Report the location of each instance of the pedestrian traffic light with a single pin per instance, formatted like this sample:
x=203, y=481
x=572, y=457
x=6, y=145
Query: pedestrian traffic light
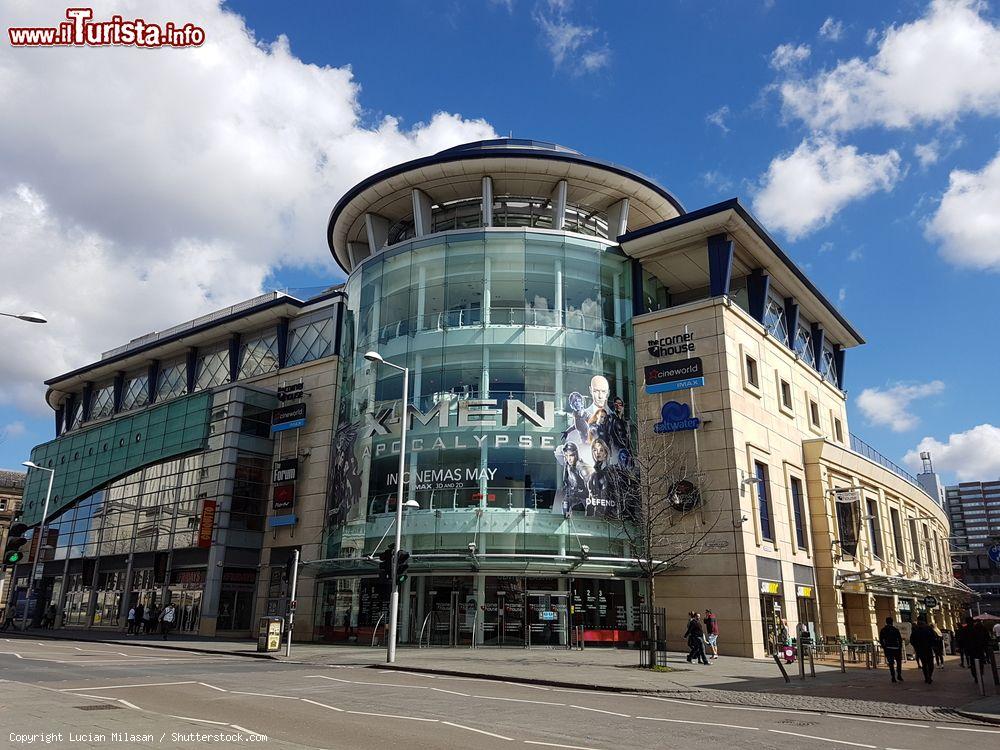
x=402, y=565
x=12, y=553
x=385, y=563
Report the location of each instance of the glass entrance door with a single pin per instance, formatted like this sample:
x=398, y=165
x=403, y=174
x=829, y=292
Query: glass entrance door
x=771, y=616
x=548, y=618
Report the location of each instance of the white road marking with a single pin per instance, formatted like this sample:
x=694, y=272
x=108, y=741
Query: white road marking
x=321, y=705
x=823, y=739
x=213, y=687
x=203, y=721
x=517, y=700
x=525, y=685
x=324, y=677
x=130, y=705
x=964, y=729
x=391, y=716
x=249, y=731
x=121, y=687
x=553, y=744
x=479, y=731
x=880, y=721
x=674, y=700
x=601, y=711
x=770, y=710
x=700, y=723
x=264, y=695
x=451, y=692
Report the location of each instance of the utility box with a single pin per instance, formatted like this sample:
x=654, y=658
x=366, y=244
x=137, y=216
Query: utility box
x=269, y=634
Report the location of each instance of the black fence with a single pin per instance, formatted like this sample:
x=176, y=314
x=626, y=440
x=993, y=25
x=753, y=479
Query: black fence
x=653, y=646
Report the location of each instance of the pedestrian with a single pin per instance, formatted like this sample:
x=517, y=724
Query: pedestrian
x=167, y=619
x=139, y=613
x=50, y=617
x=695, y=639
x=712, y=633
x=977, y=647
x=891, y=641
x=960, y=638
x=782, y=633
x=923, y=640
x=149, y=619
x=131, y=621
x=996, y=632
x=938, y=646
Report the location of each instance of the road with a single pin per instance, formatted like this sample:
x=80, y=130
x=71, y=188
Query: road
x=83, y=694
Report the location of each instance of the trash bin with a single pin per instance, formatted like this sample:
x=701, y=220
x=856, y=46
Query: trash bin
x=269, y=634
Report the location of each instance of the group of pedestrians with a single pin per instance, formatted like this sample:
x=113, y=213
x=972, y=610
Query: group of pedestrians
x=972, y=642
x=143, y=620
x=701, y=633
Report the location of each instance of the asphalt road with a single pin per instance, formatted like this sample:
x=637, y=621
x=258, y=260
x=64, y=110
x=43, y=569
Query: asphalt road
x=80, y=694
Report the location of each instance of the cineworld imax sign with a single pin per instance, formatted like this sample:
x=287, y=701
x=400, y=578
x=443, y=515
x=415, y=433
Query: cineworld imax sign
x=481, y=416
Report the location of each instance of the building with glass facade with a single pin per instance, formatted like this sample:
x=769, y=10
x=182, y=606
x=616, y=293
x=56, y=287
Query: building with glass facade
x=560, y=318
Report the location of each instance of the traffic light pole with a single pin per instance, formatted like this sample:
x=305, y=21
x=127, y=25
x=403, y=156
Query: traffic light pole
x=394, y=582
x=38, y=549
x=292, y=602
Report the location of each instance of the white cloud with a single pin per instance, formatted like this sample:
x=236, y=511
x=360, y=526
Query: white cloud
x=826, y=247
x=841, y=296
x=569, y=43
x=933, y=69
x=855, y=255
x=831, y=30
x=802, y=191
x=149, y=186
x=973, y=455
x=12, y=429
x=888, y=407
x=787, y=56
x=716, y=181
x=927, y=153
x=967, y=221
x=718, y=118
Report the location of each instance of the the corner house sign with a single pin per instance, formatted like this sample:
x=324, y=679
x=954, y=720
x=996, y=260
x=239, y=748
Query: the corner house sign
x=288, y=417
x=674, y=376
x=668, y=346
x=675, y=417
x=290, y=392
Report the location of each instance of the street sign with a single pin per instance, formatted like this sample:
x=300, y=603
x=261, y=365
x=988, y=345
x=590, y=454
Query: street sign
x=994, y=553
x=930, y=602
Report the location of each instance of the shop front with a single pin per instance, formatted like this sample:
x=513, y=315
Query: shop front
x=772, y=614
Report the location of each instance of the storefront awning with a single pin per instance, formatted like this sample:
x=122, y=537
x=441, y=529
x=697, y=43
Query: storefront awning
x=907, y=587
x=500, y=564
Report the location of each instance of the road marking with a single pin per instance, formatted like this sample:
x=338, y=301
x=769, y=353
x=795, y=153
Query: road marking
x=587, y=692
x=479, y=731
x=391, y=716
x=321, y=705
x=770, y=710
x=213, y=687
x=674, y=700
x=553, y=744
x=822, y=739
x=264, y=695
x=517, y=700
x=130, y=705
x=964, y=729
x=601, y=711
x=324, y=677
x=120, y=687
x=700, y=723
x=249, y=731
x=880, y=721
x=451, y=692
x=203, y=721
x=525, y=685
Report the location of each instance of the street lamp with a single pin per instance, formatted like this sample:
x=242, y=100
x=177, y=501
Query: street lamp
x=375, y=357
x=41, y=536
x=31, y=316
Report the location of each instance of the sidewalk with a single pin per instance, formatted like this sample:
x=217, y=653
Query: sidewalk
x=729, y=680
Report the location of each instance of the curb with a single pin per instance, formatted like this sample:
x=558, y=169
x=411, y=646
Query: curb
x=193, y=649
x=985, y=718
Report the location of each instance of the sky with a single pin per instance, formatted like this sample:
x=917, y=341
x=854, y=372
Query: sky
x=140, y=188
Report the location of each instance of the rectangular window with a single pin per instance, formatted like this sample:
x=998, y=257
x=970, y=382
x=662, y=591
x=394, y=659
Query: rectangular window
x=874, y=527
x=213, y=368
x=3, y=503
x=814, y=413
x=799, y=512
x=259, y=354
x=136, y=392
x=897, y=534
x=838, y=430
x=915, y=542
x=803, y=345
x=751, y=371
x=102, y=401
x=828, y=367
x=774, y=319
x=786, y=395
x=311, y=341
x=172, y=380
x=763, y=506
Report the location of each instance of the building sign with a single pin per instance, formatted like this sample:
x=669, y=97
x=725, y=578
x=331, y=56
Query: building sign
x=930, y=602
x=285, y=470
x=848, y=520
x=770, y=587
x=207, y=523
x=675, y=417
x=288, y=417
x=283, y=496
x=291, y=392
x=669, y=346
x=684, y=496
x=994, y=553
x=287, y=520
x=674, y=376
x=189, y=578
x=806, y=592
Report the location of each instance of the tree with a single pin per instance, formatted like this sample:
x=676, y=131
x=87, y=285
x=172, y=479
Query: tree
x=663, y=510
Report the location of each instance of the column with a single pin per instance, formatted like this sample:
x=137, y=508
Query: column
x=559, y=293
x=487, y=274
x=421, y=296
x=720, y=264
x=484, y=449
x=487, y=206
x=126, y=590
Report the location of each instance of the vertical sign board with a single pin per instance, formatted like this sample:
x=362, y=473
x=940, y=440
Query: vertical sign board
x=283, y=496
x=207, y=523
x=289, y=417
x=674, y=376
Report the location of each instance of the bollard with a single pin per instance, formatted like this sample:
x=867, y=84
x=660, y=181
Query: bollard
x=843, y=666
x=978, y=663
x=777, y=660
x=993, y=664
x=812, y=665
x=802, y=662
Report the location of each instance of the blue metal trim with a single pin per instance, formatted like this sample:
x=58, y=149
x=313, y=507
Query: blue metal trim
x=758, y=284
x=818, y=335
x=282, y=342
x=338, y=331
x=191, y=368
x=735, y=205
x=59, y=421
x=286, y=520
x=720, y=264
x=838, y=361
x=119, y=387
x=88, y=394
x=638, y=295
x=152, y=378
x=70, y=411
x=791, y=320
x=234, y=358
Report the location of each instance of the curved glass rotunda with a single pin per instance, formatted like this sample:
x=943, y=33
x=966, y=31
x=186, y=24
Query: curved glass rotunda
x=493, y=273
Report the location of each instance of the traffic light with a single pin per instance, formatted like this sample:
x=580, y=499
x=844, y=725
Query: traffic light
x=402, y=565
x=12, y=553
x=385, y=563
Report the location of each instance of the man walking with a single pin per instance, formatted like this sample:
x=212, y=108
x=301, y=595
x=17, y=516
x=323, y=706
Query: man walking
x=139, y=612
x=131, y=621
x=712, y=633
x=891, y=641
x=167, y=618
x=695, y=639
x=923, y=639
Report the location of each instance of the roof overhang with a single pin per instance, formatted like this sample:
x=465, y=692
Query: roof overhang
x=881, y=585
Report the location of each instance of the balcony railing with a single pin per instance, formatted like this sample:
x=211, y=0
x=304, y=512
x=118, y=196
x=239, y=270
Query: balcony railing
x=860, y=447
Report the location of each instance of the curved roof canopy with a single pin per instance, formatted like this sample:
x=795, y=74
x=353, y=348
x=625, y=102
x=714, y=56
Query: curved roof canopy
x=517, y=167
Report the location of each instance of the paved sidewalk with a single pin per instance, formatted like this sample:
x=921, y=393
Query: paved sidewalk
x=730, y=680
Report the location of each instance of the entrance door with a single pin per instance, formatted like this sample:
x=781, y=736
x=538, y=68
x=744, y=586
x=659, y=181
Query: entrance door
x=807, y=615
x=548, y=618
x=771, y=615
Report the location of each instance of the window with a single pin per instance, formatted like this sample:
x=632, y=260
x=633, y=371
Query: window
x=847, y=525
x=915, y=542
x=874, y=527
x=828, y=367
x=799, y=513
x=3, y=503
x=763, y=506
x=172, y=381
x=804, y=345
x=213, y=368
x=311, y=341
x=786, y=395
x=259, y=354
x=135, y=393
x=897, y=534
x=838, y=430
x=751, y=371
x=102, y=401
x=774, y=319
x=814, y=414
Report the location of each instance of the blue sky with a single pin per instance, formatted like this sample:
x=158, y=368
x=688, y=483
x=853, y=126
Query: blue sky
x=862, y=135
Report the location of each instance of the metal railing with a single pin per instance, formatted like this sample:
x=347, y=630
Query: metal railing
x=862, y=448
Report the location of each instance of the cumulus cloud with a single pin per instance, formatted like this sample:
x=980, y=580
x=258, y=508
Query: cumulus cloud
x=12, y=429
x=787, y=56
x=150, y=186
x=967, y=221
x=889, y=407
x=927, y=153
x=832, y=30
x=933, y=69
x=716, y=181
x=571, y=45
x=718, y=118
x=803, y=190
x=973, y=455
